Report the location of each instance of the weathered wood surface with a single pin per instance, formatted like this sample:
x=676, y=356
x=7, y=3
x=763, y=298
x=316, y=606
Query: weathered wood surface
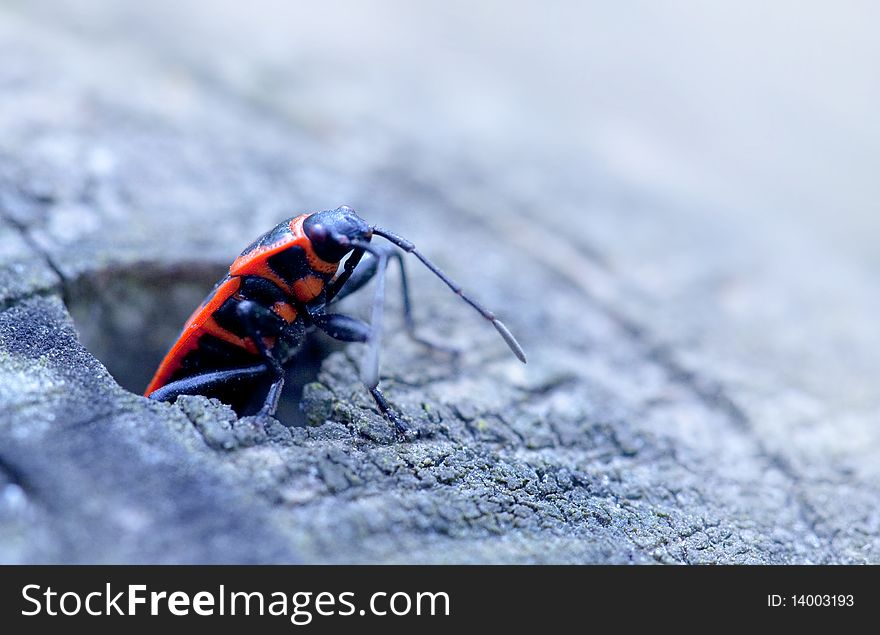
x=702, y=375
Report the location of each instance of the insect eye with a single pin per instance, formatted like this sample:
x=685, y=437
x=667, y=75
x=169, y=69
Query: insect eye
x=319, y=233
x=329, y=234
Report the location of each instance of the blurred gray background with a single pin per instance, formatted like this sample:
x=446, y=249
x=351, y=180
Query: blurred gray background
x=706, y=173
x=743, y=132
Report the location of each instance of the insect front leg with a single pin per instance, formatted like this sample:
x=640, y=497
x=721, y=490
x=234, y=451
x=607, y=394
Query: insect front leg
x=349, y=329
x=366, y=268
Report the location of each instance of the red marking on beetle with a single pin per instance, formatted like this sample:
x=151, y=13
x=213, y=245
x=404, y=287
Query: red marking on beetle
x=308, y=288
x=212, y=328
x=285, y=311
x=192, y=331
x=255, y=262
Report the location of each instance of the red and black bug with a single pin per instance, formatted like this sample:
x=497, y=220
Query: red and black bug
x=244, y=335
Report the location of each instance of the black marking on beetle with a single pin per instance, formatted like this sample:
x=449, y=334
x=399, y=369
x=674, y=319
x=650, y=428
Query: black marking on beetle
x=213, y=353
x=261, y=291
x=274, y=235
x=291, y=264
x=227, y=317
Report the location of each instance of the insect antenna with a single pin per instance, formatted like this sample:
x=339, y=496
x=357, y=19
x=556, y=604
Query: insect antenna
x=408, y=247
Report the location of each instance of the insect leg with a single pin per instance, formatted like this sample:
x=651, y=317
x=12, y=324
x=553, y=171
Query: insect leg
x=370, y=362
x=343, y=280
x=342, y=327
x=503, y=331
x=366, y=271
x=259, y=322
x=355, y=279
x=387, y=411
x=348, y=329
x=408, y=321
x=206, y=382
